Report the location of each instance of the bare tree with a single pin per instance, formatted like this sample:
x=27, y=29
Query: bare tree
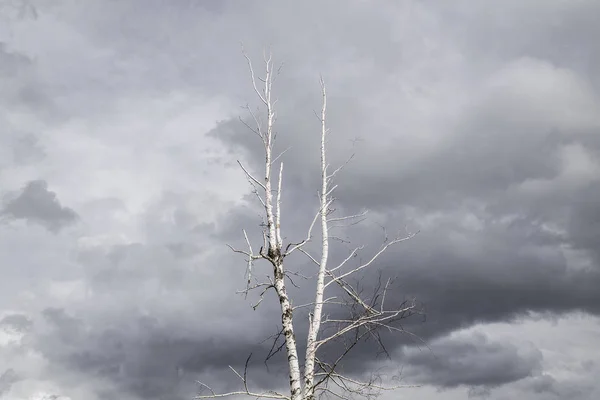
x=368, y=315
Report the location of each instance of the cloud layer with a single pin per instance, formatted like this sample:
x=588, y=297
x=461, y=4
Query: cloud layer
x=476, y=123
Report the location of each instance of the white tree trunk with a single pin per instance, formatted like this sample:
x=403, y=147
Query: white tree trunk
x=274, y=253
x=288, y=332
x=315, y=321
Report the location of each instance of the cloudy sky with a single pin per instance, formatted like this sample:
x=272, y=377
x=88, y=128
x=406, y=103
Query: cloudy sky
x=476, y=122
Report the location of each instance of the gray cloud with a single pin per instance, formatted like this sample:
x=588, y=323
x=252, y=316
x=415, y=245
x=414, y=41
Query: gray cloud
x=473, y=360
x=11, y=63
x=38, y=204
x=548, y=387
x=145, y=355
x=27, y=150
x=24, y=88
x=7, y=378
x=18, y=322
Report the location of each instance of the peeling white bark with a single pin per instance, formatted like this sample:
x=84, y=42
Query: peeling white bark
x=274, y=251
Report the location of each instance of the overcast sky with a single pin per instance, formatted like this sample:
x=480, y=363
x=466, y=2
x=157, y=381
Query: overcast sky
x=476, y=122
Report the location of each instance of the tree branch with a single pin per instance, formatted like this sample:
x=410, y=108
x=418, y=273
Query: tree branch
x=246, y=391
x=379, y=253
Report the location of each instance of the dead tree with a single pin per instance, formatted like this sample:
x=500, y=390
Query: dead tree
x=315, y=377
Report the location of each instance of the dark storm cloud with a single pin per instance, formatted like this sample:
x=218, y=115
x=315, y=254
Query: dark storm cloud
x=508, y=264
x=457, y=288
x=37, y=204
x=469, y=124
x=144, y=355
x=515, y=132
x=471, y=360
x=462, y=276
x=511, y=263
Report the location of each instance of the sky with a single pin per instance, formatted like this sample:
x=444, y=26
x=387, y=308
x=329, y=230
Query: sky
x=475, y=122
